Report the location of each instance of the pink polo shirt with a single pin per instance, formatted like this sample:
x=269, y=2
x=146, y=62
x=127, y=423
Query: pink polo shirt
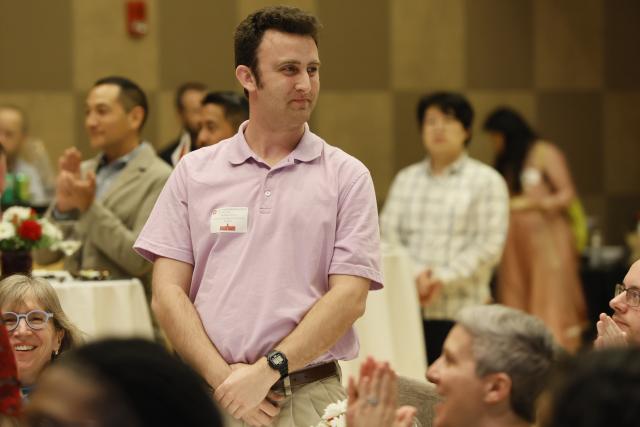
x=311, y=215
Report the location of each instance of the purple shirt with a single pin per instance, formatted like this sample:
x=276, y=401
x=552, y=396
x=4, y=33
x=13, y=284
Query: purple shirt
x=311, y=215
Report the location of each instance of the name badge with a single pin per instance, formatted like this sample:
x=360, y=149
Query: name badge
x=229, y=220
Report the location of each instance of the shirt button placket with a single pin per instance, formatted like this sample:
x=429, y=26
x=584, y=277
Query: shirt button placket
x=267, y=194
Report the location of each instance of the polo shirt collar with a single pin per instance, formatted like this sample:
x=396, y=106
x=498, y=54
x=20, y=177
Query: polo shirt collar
x=309, y=148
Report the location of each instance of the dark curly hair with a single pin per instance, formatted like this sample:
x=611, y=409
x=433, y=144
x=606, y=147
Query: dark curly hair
x=286, y=19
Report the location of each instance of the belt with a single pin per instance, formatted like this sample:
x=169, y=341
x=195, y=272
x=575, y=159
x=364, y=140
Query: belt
x=298, y=379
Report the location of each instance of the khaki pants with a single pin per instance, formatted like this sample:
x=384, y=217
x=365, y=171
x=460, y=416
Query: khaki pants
x=305, y=407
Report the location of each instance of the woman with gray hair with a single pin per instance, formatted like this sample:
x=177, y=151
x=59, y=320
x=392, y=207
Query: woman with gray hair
x=45, y=332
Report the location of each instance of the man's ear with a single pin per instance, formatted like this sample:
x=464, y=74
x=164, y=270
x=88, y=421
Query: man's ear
x=497, y=388
x=136, y=116
x=246, y=78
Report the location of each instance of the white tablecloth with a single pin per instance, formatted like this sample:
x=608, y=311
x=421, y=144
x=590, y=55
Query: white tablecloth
x=391, y=328
x=107, y=308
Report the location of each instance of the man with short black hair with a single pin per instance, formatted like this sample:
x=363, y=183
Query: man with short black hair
x=266, y=244
x=450, y=213
x=105, y=201
x=495, y=363
x=221, y=115
x=187, y=103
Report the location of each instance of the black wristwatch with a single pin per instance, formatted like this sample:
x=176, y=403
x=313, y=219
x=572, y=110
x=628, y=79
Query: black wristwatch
x=278, y=361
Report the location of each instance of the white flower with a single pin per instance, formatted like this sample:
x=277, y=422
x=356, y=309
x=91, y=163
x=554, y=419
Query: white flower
x=335, y=409
x=338, y=421
x=334, y=415
x=20, y=212
x=7, y=230
x=50, y=230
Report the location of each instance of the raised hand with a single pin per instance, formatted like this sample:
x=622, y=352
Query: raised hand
x=74, y=192
x=609, y=333
x=70, y=161
x=372, y=401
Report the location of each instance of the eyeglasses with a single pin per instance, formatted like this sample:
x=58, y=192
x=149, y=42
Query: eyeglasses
x=632, y=296
x=35, y=319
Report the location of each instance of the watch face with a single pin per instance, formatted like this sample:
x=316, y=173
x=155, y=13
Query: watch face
x=277, y=359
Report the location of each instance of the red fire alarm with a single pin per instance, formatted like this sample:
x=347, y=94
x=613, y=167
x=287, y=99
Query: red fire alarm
x=137, y=18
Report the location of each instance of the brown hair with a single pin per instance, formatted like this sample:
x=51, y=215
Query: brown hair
x=15, y=289
x=285, y=19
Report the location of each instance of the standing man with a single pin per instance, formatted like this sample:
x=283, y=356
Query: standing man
x=623, y=328
x=265, y=245
x=104, y=202
x=221, y=115
x=451, y=213
x=188, y=103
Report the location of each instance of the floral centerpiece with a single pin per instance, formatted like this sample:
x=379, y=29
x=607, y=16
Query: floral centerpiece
x=20, y=232
x=334, y=415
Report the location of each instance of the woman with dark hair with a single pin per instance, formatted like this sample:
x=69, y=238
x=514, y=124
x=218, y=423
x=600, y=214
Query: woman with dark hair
x=538, y=272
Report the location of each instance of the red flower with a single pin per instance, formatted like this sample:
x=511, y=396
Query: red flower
x=30, y=230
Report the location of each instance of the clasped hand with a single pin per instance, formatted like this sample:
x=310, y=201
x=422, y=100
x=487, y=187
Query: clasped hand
x=245, y=394
x=428, y=287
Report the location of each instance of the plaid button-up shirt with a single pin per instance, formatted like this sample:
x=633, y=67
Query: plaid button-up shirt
x=454, y=223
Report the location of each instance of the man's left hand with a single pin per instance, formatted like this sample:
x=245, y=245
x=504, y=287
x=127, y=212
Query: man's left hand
x=246, y=388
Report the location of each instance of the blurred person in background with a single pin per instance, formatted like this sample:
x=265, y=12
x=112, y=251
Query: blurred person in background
x=221, y=115
x=104, y=202
x=38, y=328
x=26, y=155
x=121, y=383
x=450, y=212
x=539, y=269
x=188, y=104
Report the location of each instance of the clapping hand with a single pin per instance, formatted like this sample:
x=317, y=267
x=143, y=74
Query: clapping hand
x=70, y=161
x=609, y=333
x=373, y=399
x=73, y=191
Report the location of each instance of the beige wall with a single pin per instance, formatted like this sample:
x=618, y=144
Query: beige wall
x=570, y=66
